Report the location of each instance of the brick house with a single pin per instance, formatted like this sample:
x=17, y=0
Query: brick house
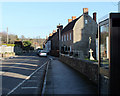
x=76, y=34
x=52, y=43
x=55, y=44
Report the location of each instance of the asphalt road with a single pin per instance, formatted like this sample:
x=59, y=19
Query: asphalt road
x=22, y=74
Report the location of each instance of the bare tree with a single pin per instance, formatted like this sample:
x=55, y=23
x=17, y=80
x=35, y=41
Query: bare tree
x=22, y=37
x=11, y=40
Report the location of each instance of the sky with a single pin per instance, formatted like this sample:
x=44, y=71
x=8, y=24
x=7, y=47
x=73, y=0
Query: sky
x=33, y=19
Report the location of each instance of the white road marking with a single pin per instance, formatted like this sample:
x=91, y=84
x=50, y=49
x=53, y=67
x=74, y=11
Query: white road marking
x=51, y=58
x=24, y=80
x=1, y=72
x=29, y=87
x=44, y=84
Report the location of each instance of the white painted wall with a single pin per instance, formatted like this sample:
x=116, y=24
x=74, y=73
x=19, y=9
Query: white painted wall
x=107, y=46
x=48, y=46
x=8, y=49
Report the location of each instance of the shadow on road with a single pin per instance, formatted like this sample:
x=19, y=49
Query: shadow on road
x=17, y=69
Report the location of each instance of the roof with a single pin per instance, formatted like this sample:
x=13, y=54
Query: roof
x=70, y=25
x=50, y=37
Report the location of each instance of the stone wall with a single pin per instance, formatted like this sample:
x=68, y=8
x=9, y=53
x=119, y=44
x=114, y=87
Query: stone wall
x=54, y=53
x=87, y=68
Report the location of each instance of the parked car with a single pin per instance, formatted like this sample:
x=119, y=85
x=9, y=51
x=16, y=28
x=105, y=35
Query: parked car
x=43, y=53
x=38, y=52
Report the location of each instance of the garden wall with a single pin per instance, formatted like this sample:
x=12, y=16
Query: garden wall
x=87, y=68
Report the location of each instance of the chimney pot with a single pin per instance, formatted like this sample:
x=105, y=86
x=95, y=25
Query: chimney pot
x=73, y=17
x=94, y=16
x=54, y=31
x=50, y=34
x=69, y=20
x=85, y=10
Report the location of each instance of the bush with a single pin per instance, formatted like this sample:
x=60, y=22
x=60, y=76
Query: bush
x=6, y=52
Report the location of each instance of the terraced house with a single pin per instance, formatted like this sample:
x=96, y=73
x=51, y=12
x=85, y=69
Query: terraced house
x=78, y=33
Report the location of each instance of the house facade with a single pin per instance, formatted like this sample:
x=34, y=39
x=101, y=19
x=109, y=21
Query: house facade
x=80, y=34
x=52, y=43
x=55, y=44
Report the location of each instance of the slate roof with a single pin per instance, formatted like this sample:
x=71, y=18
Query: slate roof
x=50, y=37
x=70, y=25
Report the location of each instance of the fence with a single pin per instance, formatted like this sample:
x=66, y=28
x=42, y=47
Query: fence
x=8, y=49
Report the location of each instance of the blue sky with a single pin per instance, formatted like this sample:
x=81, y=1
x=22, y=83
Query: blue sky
x=33, y=19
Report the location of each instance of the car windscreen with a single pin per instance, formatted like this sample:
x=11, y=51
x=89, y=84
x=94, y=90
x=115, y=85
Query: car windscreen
x=43, y=51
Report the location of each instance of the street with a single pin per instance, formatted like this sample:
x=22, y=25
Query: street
x=22, y=74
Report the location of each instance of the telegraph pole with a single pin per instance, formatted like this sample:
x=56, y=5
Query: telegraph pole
x=7, y=35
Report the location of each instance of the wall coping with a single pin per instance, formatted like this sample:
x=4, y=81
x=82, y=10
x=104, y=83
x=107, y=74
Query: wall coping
x=87, y=61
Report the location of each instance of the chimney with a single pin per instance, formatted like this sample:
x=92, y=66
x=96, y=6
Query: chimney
x=54, y=31
x=69, y=20
x=60, y=26
x=50, y=34
x=85, y=10
x=94, y=16
x=73, y=17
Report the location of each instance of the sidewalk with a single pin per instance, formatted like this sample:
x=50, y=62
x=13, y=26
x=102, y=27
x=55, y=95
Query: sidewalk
x=61, y=79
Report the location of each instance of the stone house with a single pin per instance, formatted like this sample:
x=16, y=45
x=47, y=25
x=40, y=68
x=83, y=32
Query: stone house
x=76, y=35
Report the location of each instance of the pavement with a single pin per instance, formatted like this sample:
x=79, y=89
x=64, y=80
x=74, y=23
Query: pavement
x=62, y=79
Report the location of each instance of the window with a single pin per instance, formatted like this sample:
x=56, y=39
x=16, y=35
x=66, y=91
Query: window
x=86, y=21
x=62, y=37
x=67, y=36
x=70, y=36
x=70, y=48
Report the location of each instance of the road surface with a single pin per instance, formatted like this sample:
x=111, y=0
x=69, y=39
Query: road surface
x=22, y=74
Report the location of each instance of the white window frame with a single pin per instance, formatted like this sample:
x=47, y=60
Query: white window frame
x=70, y=35
x=67, y=36
x=86, y=21
x=62, y=37
x=70, y=48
